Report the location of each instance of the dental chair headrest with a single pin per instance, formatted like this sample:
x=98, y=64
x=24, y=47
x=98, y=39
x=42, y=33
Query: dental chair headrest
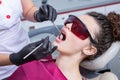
x=101, y=61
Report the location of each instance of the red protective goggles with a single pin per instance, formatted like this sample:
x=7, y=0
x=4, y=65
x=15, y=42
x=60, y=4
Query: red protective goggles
x=78, y=28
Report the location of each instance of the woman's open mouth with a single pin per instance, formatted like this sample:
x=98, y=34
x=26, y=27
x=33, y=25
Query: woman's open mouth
x=62, y=36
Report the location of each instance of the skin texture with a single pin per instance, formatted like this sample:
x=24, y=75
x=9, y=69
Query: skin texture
x=29, y=9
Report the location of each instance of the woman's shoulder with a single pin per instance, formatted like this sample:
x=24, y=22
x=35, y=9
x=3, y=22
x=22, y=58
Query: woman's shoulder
x=108, y=76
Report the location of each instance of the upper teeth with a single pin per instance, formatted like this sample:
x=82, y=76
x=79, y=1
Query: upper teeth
x=61, y=36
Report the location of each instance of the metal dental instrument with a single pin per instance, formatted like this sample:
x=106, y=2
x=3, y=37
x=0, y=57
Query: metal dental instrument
x=36, y=48
x=32, y=51
x=41, y=44
x=56, y=27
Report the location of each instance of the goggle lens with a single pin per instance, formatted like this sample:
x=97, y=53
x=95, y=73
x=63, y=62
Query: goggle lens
x=78, y=28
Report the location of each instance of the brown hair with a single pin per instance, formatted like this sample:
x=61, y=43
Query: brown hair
x=109, y=33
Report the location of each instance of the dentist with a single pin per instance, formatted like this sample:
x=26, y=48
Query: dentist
x=14, y=40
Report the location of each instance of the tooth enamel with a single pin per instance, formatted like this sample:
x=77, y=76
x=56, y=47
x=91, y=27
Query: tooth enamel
x=61, y=36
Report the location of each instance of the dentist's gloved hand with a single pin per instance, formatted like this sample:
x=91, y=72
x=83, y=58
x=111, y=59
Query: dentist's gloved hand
x=44, y=50
x=45, y=12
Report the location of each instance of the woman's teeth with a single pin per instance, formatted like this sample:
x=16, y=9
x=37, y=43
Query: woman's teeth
x=62, y=36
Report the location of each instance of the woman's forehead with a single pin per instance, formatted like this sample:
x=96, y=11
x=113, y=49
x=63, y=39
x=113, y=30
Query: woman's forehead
x=91, y=24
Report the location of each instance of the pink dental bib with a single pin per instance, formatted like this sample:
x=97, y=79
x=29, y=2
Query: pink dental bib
x=38, y=70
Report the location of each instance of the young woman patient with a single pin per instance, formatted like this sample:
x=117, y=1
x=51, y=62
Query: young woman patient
x=82, y=38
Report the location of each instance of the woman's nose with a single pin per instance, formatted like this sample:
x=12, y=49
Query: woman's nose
x=68, y=26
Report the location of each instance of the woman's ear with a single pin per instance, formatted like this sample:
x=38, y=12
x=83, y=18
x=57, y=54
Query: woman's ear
x=90, y=50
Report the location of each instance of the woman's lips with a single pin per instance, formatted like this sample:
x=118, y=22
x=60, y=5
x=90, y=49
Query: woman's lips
x=57, y=39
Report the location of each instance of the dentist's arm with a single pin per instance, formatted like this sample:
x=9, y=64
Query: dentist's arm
x=4, y=59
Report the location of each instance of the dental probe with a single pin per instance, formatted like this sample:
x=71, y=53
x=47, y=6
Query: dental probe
x=40, y=44
x=32, y=51
x=35, y=49
x=56, y=27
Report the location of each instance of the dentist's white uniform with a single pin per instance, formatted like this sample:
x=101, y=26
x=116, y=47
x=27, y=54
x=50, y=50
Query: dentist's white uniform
x=12, y=36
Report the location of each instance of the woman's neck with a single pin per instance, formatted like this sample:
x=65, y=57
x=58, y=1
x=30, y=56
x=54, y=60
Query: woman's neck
x=69, y=66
